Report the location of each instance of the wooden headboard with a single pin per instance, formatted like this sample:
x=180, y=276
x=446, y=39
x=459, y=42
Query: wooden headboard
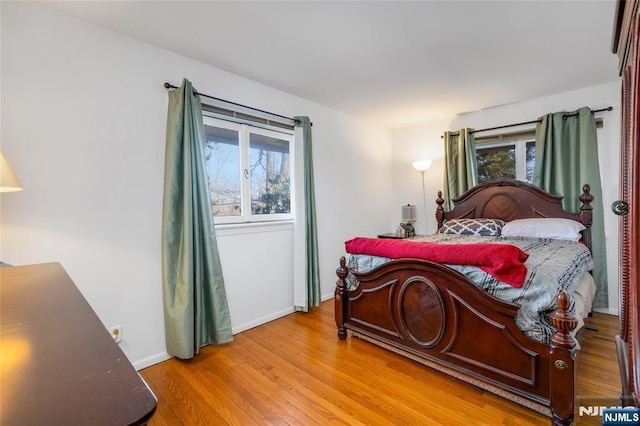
x=512, y=199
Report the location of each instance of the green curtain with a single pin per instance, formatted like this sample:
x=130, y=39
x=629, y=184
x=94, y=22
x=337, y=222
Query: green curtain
x=312, y=267
x=460, y=164
x=195, y=302
x=567, y=158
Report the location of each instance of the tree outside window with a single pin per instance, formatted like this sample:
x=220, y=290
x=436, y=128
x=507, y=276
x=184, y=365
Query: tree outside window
x=506, y=160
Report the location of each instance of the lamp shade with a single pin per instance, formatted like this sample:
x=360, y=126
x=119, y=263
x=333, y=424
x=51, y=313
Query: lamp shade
x=408, y=213
x=8, y=180
x=421, y=165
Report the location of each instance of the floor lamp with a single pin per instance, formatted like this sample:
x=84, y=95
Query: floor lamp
x=422, y=166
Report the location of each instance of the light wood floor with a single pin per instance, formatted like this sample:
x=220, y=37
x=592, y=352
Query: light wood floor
x=295, y=371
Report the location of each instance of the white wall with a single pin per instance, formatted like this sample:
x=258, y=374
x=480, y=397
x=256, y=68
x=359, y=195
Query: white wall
x=423, y=141
x=83, y=125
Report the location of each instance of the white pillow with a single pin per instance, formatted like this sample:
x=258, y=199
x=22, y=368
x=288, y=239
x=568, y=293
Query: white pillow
x=556, y=228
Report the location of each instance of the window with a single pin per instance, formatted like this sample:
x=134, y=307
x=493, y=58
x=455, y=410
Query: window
x=249, y=170
x=506, y=160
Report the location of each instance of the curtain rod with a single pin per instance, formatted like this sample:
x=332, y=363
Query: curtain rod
x=171, y=86
x=564, y=117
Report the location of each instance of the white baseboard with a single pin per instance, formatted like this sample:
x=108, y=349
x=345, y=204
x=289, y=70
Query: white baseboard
x=163, y=356
x=326, y=297
x=242, y=327
x=149, y=361
x=610, y=311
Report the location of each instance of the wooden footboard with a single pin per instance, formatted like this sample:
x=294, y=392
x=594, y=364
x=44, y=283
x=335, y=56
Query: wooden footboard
x=435, y=316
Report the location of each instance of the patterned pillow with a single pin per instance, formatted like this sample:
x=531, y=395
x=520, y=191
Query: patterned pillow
x=478, y=227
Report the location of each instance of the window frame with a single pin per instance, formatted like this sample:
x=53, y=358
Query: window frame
x=245, y=129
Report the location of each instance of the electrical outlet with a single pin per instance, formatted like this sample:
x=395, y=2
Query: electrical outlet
x=116, y=333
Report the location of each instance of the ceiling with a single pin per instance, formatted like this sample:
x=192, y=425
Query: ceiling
x=393, y=63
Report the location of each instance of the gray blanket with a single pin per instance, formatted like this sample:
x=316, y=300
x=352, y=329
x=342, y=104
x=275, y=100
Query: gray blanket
x=552, y=266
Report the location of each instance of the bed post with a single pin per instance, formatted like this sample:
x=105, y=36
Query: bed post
x=586, y=213
x=562, y=356
x=339, y=298
x=440, y=210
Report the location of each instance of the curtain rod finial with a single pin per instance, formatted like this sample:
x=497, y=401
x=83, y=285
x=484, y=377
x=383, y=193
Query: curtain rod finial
x=168, y=85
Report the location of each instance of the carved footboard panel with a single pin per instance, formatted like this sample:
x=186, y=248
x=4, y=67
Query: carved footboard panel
x=435, y=316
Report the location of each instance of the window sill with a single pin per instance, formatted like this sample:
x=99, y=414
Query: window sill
x=228, y=229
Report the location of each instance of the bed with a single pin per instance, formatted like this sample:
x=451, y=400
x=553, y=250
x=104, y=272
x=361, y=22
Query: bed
x=434, y=314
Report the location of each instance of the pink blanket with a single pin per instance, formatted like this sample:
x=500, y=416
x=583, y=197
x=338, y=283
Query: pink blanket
x=503, y=261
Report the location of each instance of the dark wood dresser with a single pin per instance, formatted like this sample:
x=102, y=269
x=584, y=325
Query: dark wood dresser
x=58, y=363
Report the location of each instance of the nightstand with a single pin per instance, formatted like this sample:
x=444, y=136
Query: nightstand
x=390, y=235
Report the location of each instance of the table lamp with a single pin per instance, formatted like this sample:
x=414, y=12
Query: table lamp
x=8, y=180
x=408, y=217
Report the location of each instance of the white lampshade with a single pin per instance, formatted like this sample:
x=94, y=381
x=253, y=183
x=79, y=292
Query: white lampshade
x=8, y=180
x=421, y=165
